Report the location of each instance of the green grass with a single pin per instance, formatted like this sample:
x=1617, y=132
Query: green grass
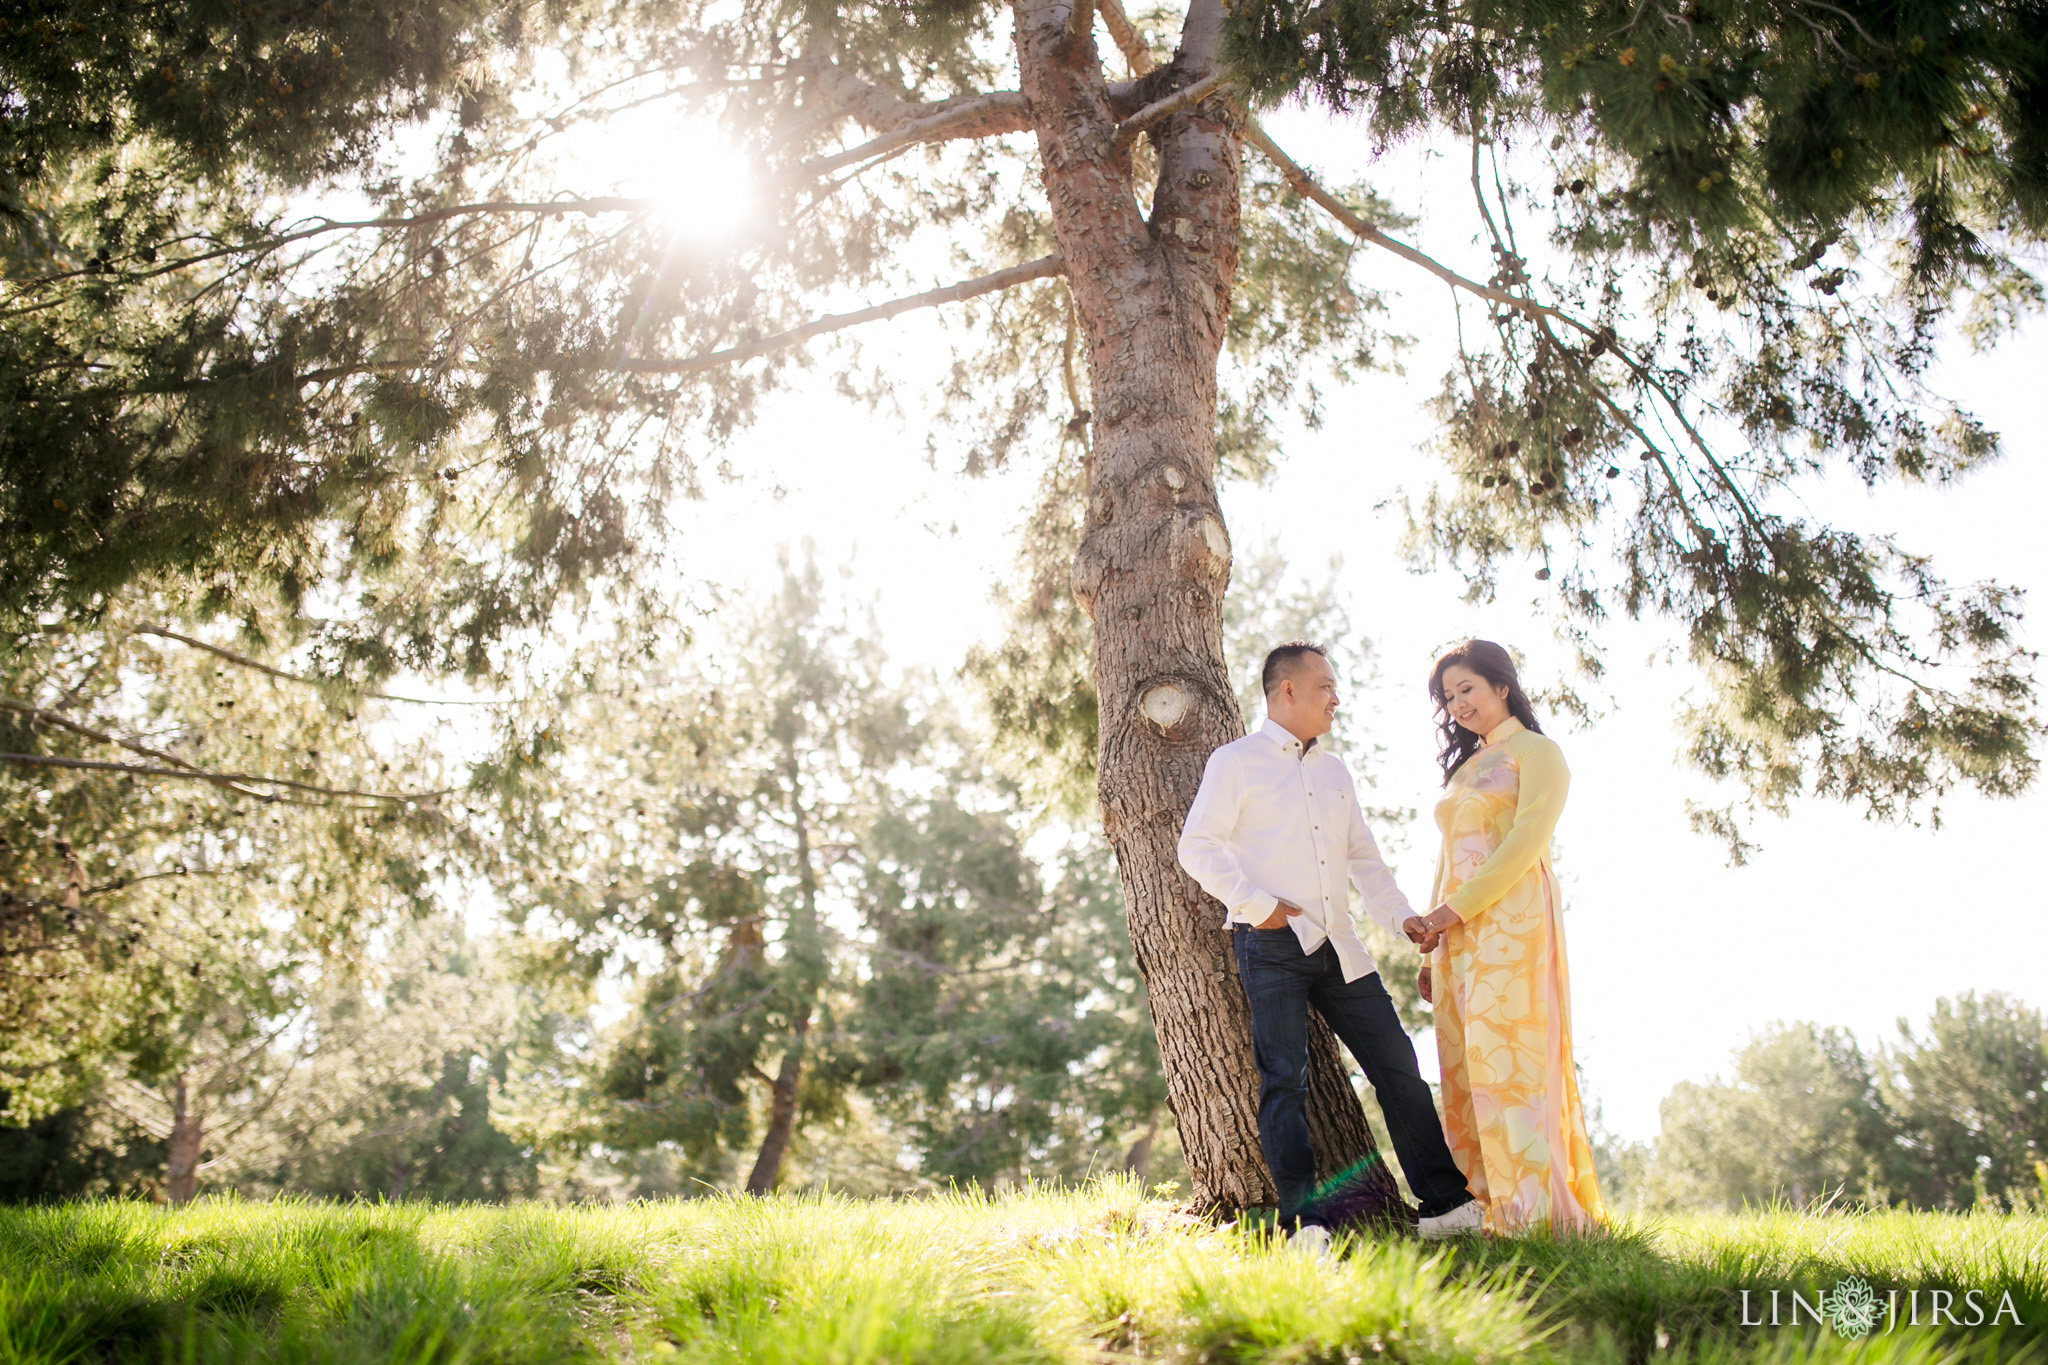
x=1039, y=1276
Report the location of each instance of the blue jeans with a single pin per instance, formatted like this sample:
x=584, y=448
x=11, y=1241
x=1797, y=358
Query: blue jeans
x=1281, y=982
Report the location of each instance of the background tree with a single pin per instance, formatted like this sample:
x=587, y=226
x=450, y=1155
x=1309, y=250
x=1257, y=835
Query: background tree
x=192, y=845
x=67, y=1155
x=384, y=1085
x=270, y=1067
x=696, y=820
x=1971, y=1099
x=808, y=887
x=1001, y=1021
x=1801, y=1119
x=478, y=392
x=432, y=1137
x=1950, y=1118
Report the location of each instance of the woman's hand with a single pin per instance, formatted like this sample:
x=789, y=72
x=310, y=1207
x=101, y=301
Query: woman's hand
x=1422, y=985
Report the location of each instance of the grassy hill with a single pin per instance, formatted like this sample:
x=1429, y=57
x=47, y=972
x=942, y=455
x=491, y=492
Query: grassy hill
x=1098, y=1275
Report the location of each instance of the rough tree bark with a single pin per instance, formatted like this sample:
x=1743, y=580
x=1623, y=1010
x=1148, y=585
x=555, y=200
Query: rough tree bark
x=1153, y=298
x=188, y=1135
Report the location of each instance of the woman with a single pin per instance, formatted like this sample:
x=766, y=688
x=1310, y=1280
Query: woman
x=1496, y=969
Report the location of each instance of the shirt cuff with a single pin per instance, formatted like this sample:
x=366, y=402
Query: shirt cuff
x=1461, y=903
x=1257, y=910
x=1399, y=918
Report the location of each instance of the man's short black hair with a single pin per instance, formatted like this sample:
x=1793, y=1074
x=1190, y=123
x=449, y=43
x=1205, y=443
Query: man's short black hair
x=1282, y=660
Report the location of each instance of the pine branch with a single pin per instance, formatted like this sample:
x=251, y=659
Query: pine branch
x=123, y=883
x=62, y=722
x=319, y=227
x=1044, y=268
x=245, y=661
x=1127, y=132
x=1305, y=185
x=220, y=779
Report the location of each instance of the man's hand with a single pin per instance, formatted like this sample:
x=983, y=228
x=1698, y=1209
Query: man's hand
x=1422, y=985
x=1282, y=912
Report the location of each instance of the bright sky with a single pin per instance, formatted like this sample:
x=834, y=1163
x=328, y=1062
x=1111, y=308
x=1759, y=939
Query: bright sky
x=1675, y=957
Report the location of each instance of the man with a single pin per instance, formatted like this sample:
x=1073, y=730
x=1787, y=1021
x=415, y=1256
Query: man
x=1273, y=834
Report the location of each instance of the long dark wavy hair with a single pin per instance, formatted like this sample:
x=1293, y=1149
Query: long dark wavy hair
x=1492, y=663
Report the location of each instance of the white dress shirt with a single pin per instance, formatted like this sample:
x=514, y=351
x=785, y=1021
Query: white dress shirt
x=1271, y=823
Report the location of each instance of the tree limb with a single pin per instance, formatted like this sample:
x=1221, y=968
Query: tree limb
x=218, y=779
x=991, y=115
x=1201, y=33
x=1080, y=23
x=1125, y=36
x=873, y=106
x=321, y=226
x=1127, y=132
x=123, y=883
x=66, y=723
x=246, y=662
x=1044, y=268
x=1305, y=185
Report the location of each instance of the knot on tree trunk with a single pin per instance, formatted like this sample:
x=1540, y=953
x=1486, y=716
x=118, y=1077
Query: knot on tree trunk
x=1178, y=708
x=1202, y=546
x=1165, y=705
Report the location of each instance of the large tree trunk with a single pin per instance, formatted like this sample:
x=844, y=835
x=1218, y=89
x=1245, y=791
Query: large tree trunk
x=188, y=1136
x=1153, y=297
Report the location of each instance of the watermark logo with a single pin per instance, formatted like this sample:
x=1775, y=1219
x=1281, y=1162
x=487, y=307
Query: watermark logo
x=1855, y=1309
x=1851, y=1307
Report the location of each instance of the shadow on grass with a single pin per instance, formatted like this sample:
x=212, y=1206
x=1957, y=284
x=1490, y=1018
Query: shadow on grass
x=1653, y=1287
x=220, y=1282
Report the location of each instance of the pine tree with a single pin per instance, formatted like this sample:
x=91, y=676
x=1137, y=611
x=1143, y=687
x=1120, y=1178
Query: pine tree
x=189, y=841
x=699, y=818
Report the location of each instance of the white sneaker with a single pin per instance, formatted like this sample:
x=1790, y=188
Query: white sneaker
x=1311, y=1239
x=1468, y=1217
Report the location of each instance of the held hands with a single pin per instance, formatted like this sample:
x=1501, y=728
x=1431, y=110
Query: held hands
x=1426, y=931
x=1282, y=912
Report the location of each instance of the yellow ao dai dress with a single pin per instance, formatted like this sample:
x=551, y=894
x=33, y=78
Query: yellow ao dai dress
x=1511, y=1105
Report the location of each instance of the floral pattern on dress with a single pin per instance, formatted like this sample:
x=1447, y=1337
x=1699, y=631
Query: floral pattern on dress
x=1512, y=1114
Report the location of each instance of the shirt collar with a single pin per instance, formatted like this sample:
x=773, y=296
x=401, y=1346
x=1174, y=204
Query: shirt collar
x=1502, y=731
x=1284, y=737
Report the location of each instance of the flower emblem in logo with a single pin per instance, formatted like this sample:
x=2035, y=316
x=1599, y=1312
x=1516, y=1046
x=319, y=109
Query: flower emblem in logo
x=1852, y=1307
